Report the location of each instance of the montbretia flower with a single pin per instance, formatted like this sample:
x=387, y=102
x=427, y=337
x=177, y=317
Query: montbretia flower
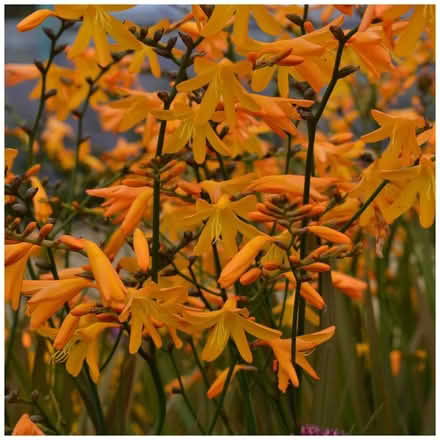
x=150, y=305
x=229, y=321
x=304, y=345
x=223, y=14
x=292, y=184
x=400, y=126
x=96, y=23
x=49, y=296
x=109, y=284
x=192, y=131
x=16, y=257
x=42, y=207
x=141, y=249
x=222, y=83
x=412, y=182
x=223, y=221
x=81, y=344
x=217, y=386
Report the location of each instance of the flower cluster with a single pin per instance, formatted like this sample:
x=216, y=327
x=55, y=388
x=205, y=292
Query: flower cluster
x=229, y=213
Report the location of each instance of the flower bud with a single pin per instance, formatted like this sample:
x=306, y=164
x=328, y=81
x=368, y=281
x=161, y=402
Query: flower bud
x=250, y=276
x=347, y=70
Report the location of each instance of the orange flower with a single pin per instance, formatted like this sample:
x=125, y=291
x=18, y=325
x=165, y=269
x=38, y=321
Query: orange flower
x=329, y=234
x=217, y=386
x=42, y=208
x=25, y=426
x=141, y=250
x=350, y=286
x=109, y=284
x=49, y=296
x=227, y=322
x=16, y=257
x=241, y=261
x=304, y=344
x=35, y=19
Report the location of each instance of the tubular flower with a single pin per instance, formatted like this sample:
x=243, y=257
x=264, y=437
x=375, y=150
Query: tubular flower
x=304, y=344
x=352, y=287
x=192, y=131
x=422, y=18
x=292, y=184
x=412, y=182
x=49, y=296
x=152, y=304
x=223, y=14
x=109, y=284
x=16, y=257
x=97, y=22
x=242, y=260
x=222, y=82
x=81, y=344
x=217, y=386
x=42, y=208
x=223, y=221
x=141, y=249
x=25, y=426
x=400, y=127
x=131, y=220
x=227, y=322
x=33, y=20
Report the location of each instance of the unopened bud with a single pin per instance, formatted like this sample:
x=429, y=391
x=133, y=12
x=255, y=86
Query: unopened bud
x=45, y=230
x=295, y=19
x=347, y=70
x=162, y=51
x=163, y=96
x=50, y=93
x=39, y=65
x=73, y=243
x=158, y=35
x=187, y=40
x=59, y=49
x=49, y=32
x=33, y=170
x=171, y=43
x=35, y=395
x=305, y=114
x=19, y=208
x=337, y=32
x=250, y=276
x=207, y=9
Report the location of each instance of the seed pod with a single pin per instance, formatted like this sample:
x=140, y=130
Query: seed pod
x=19, y=208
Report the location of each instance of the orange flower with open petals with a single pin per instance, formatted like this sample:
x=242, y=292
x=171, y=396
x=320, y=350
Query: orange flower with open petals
x=227, y=322
x=222, y=83
x=304, y=344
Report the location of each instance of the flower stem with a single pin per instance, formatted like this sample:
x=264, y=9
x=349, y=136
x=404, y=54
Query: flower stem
x=162, y=401
x=183, y=393
x=222, y=397
x=364, y=206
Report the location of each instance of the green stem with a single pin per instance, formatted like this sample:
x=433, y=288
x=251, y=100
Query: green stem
x=162, y=401
x=101, y=428
x=207, y=385
x=181, y=75
x=222, y=398
x=110, y=356
x=364, y=206
x=43, y=97
x=183, y=393
x=11, y=341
